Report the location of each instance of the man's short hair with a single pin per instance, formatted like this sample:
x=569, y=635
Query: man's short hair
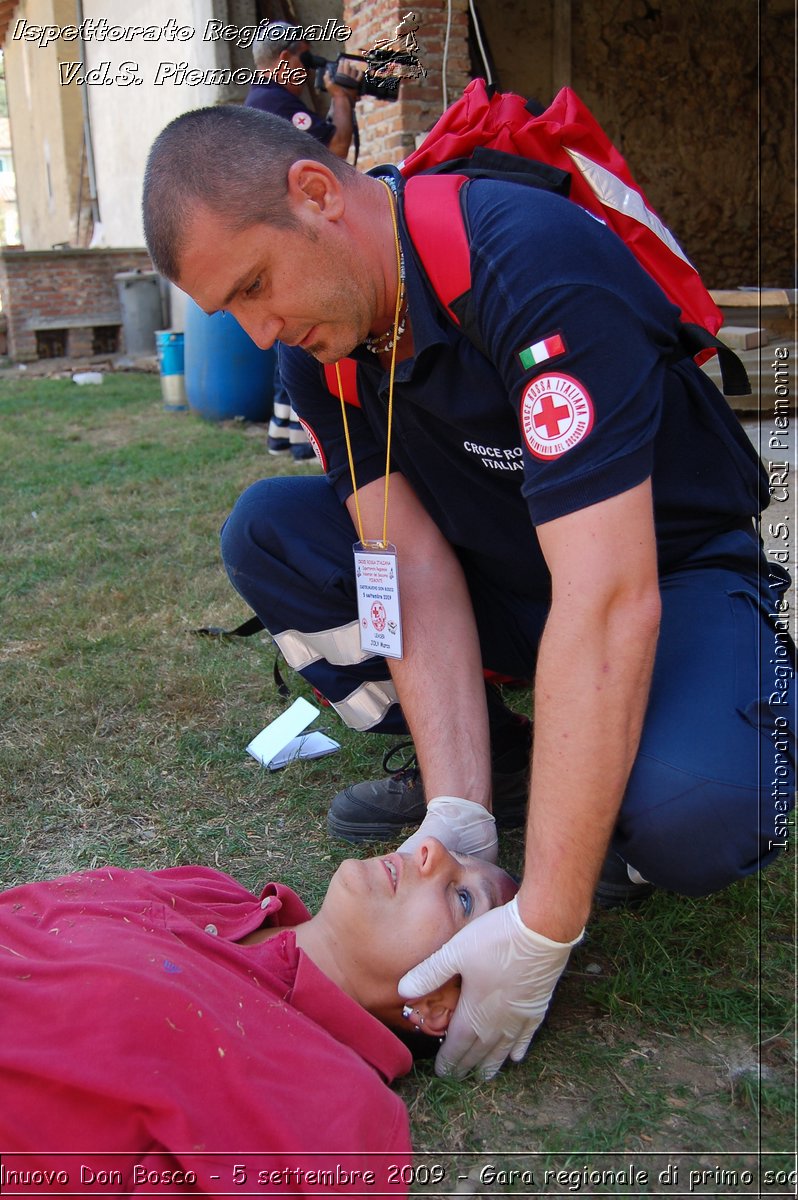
x=268, y=43
x=230, y=159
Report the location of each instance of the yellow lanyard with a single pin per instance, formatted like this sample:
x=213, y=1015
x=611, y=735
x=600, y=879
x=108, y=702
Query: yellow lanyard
x=397, y=309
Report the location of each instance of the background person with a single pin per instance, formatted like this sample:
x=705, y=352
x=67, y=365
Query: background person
x=174, y=1020
x=280, y=58
x=615, y=557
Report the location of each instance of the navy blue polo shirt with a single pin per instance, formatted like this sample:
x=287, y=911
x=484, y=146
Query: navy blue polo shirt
x=571, y=400
x=274, y=98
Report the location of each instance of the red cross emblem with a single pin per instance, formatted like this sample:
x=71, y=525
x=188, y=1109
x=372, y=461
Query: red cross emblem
x=556, y=414
x=553, y=417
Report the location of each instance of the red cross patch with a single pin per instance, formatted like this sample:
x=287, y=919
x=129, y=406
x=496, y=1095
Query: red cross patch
x=301, y=120
x=556, y=414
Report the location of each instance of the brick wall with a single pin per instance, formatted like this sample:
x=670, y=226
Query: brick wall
x=682, y=108
x=46, y=290
x=388, y=130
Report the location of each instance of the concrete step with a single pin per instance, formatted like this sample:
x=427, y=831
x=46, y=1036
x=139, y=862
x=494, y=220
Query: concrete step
x=743, y=337
x=773, y=309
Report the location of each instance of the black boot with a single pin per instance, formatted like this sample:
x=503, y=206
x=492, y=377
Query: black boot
x=379, y=809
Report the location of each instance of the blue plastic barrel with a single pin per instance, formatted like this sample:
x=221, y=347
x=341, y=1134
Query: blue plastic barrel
x=171, y=364
x=227, y=375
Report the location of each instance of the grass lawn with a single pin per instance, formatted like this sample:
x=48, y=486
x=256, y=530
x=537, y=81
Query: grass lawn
x=122, y=740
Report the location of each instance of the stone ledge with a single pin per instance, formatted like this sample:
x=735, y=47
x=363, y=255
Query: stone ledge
x=17, y=254
x=754, y=297
x=743, y=337
x=72, y=322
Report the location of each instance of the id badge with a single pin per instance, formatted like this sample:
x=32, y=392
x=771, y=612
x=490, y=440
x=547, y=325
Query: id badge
x=378, y=599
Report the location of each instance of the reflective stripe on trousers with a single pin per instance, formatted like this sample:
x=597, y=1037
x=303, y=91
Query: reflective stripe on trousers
x=368, y=704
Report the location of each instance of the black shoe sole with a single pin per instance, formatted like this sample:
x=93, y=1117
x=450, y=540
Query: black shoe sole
x=618, y=895
x=361, y=831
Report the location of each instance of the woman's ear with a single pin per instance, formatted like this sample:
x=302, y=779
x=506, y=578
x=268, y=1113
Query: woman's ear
x=432, y=1013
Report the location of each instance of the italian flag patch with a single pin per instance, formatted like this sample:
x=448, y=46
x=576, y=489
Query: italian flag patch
x=540, y=352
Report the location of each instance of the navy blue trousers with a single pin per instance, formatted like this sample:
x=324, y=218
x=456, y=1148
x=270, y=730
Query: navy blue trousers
x=713, y=781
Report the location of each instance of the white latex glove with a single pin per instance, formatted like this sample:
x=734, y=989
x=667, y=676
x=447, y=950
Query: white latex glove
x=508, y=975
x=461, y=825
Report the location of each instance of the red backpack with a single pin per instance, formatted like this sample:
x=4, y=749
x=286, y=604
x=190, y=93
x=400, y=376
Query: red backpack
x=565, y=150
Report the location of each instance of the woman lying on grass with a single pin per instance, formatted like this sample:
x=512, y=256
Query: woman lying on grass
x=170, y=1031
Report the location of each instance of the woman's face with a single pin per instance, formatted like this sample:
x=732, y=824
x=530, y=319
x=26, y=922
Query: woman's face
x=391, y=912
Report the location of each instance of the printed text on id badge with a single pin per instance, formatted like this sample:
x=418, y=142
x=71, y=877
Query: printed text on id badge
x=378, y=598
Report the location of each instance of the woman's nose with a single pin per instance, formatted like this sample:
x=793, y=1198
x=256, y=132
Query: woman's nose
x=431, y=855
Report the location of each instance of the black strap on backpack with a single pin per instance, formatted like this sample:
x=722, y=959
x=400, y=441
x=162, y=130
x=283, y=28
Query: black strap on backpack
x=247, y=629
x=695, y=338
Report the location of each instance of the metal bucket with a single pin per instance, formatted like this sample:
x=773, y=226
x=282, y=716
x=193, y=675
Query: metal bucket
x=169, y=346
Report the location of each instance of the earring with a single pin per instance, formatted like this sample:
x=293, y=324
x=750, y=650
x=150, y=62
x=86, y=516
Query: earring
x=407, y=1013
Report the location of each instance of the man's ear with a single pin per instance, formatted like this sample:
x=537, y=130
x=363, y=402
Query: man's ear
x=437, y=1008
x=312, y=183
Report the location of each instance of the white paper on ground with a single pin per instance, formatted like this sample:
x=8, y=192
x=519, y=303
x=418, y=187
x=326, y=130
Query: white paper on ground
x=280, y=742
x=307, y=745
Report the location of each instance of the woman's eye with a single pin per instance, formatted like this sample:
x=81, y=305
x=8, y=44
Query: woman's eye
x=467, y=901
x=253, y=287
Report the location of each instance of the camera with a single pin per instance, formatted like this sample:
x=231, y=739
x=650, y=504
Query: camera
x=383, y=86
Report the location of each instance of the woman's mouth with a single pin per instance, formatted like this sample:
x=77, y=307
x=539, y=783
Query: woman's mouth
x=393, y=874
